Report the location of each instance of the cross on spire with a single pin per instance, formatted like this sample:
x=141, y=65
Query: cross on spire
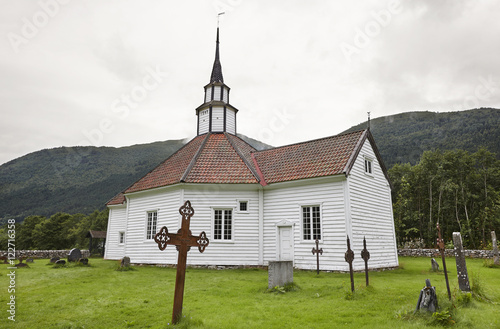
x=217, y=68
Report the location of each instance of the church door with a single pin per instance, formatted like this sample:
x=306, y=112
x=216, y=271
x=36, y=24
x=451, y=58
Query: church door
x=285, y=248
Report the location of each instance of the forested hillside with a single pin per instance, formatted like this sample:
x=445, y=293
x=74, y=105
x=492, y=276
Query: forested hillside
x=403, y=137
x=77, y=179
x=81, y=179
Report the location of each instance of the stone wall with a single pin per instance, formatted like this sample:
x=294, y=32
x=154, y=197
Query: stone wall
x=46, y=254
x=447, y=252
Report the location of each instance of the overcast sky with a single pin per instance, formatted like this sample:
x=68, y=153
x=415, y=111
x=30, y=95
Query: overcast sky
x=118, y=73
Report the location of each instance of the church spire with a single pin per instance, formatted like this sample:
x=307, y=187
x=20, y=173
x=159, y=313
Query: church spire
x=216, y=115
x=217, y=69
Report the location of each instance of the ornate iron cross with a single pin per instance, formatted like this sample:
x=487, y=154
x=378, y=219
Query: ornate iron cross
x=366, y=256
x=349, y=257
x=183, y=241
x=317, y=251
x=440, y=243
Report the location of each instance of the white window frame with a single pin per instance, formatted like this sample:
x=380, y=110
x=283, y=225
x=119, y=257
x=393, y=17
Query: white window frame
x=121, y=237
x=150, y=233
x=311, y=235
x=368, y=165
x=224, y=224
x=238, y=207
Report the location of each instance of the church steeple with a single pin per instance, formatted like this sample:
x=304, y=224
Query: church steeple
x=216, y=115
x=217, y=69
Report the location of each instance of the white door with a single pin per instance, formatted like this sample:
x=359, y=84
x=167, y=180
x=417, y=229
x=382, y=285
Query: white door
x=285, y=251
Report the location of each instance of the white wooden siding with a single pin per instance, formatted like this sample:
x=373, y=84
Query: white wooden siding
x=217, y=95
x=208, y=94
x=217, y=119
x=244, y=247
x=225, y=95
x=203, y=121
x=230, y=121
x=117, y=222
x=166, y=203
x=371, y=213
x=284, y=204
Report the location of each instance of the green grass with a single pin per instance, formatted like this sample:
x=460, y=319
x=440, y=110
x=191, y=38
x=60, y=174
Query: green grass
x=98, y=296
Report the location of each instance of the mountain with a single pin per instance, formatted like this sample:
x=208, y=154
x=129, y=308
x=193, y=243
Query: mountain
x=403, y=137
x=82, y=179
x=78, y=179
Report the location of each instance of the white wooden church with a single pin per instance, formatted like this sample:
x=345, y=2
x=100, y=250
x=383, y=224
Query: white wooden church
x=259, y=206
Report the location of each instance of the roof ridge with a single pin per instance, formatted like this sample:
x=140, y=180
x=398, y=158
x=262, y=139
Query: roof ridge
x=236, y=149
x=310, y=141
x=355, y=152
x=195, y=158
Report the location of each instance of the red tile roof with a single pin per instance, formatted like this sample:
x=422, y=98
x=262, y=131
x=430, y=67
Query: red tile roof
x=209, y=158
x=317, y=158
x=224, y=158
x=117, y=199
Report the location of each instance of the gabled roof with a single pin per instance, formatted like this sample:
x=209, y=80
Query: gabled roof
x=210, y=158
x=96, y=234
x=317, y=158
x=222, y=158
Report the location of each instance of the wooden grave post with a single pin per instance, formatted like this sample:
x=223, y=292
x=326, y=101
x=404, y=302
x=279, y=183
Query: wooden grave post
x=317, y=251
x=183, y=240
x=440, y=243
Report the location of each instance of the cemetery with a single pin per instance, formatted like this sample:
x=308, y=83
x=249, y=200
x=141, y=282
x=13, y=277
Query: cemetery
x=98, y=295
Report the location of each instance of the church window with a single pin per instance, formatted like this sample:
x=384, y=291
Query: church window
x=311, y=223
x=368, y=166
x=121, y=237
x=151, y=225
x=243, y=206
x=223, y=224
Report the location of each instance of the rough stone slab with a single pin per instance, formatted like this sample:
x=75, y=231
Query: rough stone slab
x=463, y=277
x=496, y=257
x=280, y=273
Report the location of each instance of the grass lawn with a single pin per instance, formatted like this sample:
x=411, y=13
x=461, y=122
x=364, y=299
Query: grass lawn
x=98, y=296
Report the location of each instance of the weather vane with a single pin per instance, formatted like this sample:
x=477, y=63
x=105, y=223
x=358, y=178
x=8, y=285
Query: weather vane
x=218, y=16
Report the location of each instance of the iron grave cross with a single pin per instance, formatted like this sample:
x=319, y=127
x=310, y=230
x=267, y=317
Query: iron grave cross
x=349, y=257
x=365, y=254
x=183, y=240
x=317, y=251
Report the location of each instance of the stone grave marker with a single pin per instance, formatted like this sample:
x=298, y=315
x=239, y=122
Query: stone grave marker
x=427, y=300
x=125, y=262
x=74, y=255
x=435, y=265
x=21, y=264
x=463, y=277
x=84, y=261
x=29, y=260
x=60, y=262
x=496, y=257
x=280, y=273
x=54, y=259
